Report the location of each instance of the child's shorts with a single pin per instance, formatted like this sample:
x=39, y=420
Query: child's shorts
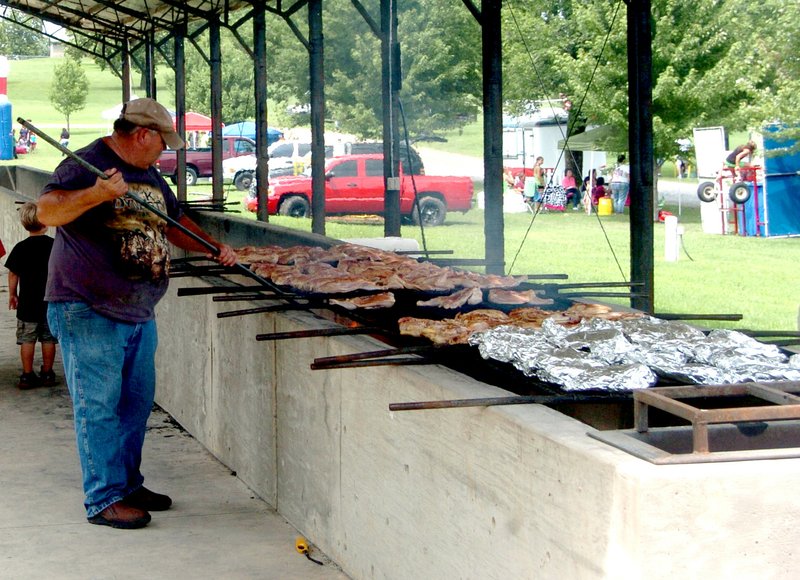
x=30, y=332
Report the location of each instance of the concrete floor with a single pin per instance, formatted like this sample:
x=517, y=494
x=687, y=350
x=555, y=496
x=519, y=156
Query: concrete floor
x=216, y=528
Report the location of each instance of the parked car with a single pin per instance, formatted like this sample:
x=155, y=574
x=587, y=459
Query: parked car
x=199, y=161
x=410, y=160
x=284, y=159
x=354, y=184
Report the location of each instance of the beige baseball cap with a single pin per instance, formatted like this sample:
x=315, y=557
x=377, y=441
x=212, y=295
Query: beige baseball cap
x=148, y=113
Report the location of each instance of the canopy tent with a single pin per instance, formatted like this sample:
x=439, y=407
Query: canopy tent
x=602, y=138
x=195, y=122
x=248, y=129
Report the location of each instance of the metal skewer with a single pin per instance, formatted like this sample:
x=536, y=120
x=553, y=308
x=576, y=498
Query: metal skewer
x=214, y=250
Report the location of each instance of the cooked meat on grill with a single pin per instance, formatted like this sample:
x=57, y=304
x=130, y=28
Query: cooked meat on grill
x=411, y=326
x=381, y=300
x=447, y=331
x=483, y=315
x=379, y=268
x=500, y=296
x=587, y=310
x=337, y=285
x=529, y=317
x=381, y=274
x=450, y=330
x=270, y=270
x=456, y=300
x=495, y=281
x=257, y=254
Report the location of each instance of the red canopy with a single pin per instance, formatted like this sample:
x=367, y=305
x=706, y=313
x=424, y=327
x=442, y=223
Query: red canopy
x=196, y=122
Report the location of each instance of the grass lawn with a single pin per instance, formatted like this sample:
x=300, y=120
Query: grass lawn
x=726, y=274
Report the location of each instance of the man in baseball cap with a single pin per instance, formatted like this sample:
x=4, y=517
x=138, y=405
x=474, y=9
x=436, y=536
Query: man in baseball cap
x=108, y=269
x=150, y=114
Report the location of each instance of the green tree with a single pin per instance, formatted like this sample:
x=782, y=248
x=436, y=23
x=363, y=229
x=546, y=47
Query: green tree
x=69, y=89
x=713, y=61
x=26, y=40
x=440, y=65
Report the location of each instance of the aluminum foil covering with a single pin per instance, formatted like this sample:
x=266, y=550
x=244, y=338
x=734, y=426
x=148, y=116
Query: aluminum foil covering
x=632, y=354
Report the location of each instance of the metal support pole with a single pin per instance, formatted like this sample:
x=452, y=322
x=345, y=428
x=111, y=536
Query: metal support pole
x=494, y=221
x=390, y=77
x=640, y=144
x=216, y=110
x=126, y=70
x=317, y=87
x=260, y=76
x=150, y=65
x=180, y=106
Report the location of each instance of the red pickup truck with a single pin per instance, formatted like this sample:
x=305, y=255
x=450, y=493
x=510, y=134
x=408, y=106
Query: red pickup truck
x=198, y=161
x=354, y=185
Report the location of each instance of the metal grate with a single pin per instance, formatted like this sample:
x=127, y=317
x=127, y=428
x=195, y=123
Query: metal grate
x=731, y=433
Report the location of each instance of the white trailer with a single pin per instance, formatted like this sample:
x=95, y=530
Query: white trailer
x=527, y=137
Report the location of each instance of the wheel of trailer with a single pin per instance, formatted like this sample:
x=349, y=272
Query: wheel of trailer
x=706, y=191
x=294, y=206
x=739, y=192
x=243, y=180
x=191, y=176
x=431, y=212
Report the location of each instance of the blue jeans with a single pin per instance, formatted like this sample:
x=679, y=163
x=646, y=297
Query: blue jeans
x=619, y=195
x=110, y=371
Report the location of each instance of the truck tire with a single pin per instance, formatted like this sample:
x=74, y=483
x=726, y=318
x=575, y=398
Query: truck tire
x=706, y=192
x=295, y=206
x=431, y=212
x=739, y=192
x=243, y=180
x=191, y=176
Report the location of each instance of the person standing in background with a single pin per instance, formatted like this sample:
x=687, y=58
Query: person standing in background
x=64, y=139
x=571, y=189
x=620, y=184
x=27, y=279
x=534, y=186
x=737, y=158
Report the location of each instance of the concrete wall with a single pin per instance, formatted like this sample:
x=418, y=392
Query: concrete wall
x=496, y=492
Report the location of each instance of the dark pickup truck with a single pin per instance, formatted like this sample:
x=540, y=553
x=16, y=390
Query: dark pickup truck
x=198, y=161
x=354, y=185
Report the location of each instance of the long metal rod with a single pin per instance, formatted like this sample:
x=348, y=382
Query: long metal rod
x=595, y=285
x=317, y=332
x=172, y=222
x=492, y=401
x=679, y=316
x=89, y=167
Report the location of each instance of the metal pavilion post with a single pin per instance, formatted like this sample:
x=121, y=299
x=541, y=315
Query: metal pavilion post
x=180, y=104
x=640, y=145
x=216, y=109
x=150, y=65
x=494, y=222
x=260, y=77
x=317, y=88
x=126, y=70
x=390, y=76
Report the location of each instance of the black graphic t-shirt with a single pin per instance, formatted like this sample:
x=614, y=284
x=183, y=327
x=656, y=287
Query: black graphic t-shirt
x=115, y=256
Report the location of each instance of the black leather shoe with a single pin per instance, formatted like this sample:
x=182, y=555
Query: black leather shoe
x=122, y=516
x=147, y=500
